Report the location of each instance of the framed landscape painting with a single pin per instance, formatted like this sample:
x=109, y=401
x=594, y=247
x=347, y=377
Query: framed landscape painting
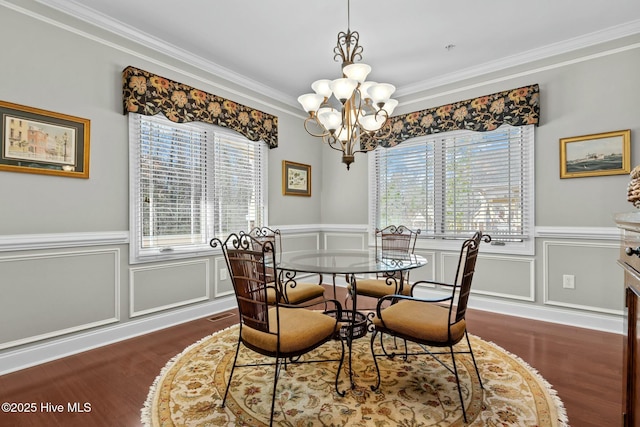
x=296, y=179
x=43, y=142
x=596, y=155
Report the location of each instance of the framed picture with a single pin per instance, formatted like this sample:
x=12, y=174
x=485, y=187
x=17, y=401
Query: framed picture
x=296, y=179
x=43, y=142
x=596, y=155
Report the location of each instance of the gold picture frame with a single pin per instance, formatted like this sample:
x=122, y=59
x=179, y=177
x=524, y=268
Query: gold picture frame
x=43, y=142
x=296, y=179
x=597, y=154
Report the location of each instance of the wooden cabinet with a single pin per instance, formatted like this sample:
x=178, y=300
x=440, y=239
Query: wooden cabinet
x=630, y=262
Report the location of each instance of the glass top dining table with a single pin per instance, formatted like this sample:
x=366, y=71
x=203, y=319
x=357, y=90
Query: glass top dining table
x=350, y=263
x=343, y=261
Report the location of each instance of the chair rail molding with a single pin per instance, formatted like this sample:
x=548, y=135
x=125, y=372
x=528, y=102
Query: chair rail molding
x=585, y=233
x=300, y=228
x=24, y=242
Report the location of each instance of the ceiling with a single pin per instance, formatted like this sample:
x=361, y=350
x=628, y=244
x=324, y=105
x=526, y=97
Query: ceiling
x=278, y=47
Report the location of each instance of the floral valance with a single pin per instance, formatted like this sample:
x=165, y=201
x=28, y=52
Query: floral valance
x=149, y=94
x=515, y=107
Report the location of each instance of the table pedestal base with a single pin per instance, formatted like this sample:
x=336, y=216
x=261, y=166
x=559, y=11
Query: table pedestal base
x=354, y=326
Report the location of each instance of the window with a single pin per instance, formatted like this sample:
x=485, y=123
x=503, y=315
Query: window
x=190, y=182
x=451, y=184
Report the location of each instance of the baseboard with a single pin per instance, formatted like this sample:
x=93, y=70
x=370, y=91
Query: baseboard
x=18, y=359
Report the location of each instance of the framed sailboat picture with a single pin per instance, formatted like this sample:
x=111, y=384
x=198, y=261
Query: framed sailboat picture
x=596, y=155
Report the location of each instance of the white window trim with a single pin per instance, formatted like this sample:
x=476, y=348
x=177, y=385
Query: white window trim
x=526, y=247
x=179, y=253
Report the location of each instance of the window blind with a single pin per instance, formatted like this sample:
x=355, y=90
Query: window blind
x=239, y=197
x=190, y=182
x=451, y=184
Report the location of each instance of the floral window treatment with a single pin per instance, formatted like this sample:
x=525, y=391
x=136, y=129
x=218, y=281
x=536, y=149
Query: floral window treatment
x=149, y=94
x=516, y=107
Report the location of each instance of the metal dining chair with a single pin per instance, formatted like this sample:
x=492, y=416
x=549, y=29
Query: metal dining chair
x=292, y=292
x=394, y=242
x=431, y=322
x=278, y=330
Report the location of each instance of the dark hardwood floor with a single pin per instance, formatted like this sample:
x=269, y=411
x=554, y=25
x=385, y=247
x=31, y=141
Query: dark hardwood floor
x=582, y=365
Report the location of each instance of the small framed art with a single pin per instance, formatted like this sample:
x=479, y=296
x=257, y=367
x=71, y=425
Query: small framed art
x=296, y=179
x=596, y=155
x=43, y=142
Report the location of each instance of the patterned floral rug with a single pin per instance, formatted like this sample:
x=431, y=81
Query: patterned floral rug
x=419, y=392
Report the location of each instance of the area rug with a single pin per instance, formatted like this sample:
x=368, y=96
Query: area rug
x=417, y=392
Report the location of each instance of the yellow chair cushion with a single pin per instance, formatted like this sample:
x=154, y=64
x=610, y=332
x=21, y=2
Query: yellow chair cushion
x=301, y=293
x=422, y=321
x=300, y=329
x=378, y=288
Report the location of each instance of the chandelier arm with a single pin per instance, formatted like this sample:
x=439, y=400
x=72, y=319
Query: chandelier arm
x=334, y=147
x=382, y=111
x=332, y=141
x=314, y=120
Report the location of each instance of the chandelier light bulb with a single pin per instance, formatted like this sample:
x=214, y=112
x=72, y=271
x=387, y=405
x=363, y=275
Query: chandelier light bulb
x=358, y=72
x=364, y=89
x=389, y=106
x=310, y=102
x=381, y=93
x=343, y=88
x=330, y=119
x=373, y=122
x=343, y=135
x=322, y=87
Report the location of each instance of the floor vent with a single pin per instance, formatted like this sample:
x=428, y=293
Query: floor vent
x=220, y=317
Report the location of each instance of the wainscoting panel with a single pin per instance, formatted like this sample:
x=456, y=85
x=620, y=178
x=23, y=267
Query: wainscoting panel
x=345, y=241
x=223, y=285
x=502, y=276
x=426, y=272
x=161, y=287
x=56, y=293
x=300, y=242
x=597, y=277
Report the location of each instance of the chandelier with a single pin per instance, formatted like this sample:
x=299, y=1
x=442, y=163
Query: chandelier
x=350, y=114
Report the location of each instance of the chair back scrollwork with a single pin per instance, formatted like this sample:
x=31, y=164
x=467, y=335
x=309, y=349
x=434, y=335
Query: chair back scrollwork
x=397, y=239
x=249, y=266
x=396, y=242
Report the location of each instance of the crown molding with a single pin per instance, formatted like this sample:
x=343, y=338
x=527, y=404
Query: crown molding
x=83, y=13
x=555, y=49
x=79, y=11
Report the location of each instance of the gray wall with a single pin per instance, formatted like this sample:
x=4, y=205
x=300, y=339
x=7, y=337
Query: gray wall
x=65, y=281
x=64, y=271
x=587, y=92
x=577, y=98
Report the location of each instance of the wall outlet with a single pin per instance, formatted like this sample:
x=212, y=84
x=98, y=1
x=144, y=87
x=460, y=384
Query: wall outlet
x=223, y=274
x=568, y=281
